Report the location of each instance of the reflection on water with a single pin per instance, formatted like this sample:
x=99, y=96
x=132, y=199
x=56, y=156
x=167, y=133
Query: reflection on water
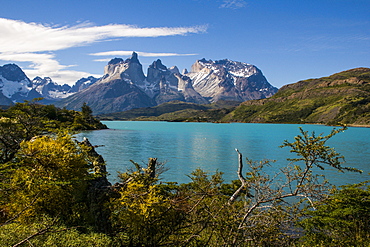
x=187, y=146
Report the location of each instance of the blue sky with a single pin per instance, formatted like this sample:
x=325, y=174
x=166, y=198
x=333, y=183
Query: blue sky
x=288, y=40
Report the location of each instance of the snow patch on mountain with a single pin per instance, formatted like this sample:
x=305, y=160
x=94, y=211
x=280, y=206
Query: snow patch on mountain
x=9, y=88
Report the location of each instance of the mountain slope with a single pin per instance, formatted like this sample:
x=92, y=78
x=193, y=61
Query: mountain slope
x=340, y=98
x=112, y=96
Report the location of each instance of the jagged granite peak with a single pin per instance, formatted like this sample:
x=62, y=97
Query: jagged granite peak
x=161, y=80
x=134, y=58
x=156, y=71
x=229, y=80
x=167, y=84
x=129, y=70
x=158, y=65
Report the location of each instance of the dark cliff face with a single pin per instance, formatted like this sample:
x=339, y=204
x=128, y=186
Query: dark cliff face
x=156, y=71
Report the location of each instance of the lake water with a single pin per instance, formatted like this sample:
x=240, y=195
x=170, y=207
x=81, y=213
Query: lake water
x=185, y=147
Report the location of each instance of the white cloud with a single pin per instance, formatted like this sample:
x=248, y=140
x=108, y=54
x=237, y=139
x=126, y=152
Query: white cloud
x=102, y=60
x=233, y=4
x=32, y=37
x=33, y=42
x=143, y=54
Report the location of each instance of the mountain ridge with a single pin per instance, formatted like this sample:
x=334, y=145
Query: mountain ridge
x=163, y=84
x=15, y=86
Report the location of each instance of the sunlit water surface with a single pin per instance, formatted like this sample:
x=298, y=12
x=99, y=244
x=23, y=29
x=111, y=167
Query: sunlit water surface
x=185, y=147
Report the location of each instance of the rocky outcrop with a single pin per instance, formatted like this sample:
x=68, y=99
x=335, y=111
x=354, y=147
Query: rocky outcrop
x=98, y=190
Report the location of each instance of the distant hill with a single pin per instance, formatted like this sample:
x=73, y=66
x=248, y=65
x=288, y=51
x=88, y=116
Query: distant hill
x=340, y=98
x=176, y=111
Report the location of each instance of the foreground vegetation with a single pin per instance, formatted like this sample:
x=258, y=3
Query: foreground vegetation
x=54, y=192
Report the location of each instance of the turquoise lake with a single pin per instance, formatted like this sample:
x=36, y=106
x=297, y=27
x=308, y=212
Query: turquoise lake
x=185, y=147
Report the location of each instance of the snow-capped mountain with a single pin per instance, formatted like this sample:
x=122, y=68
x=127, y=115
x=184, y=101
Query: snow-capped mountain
x=49, y=89
x=13, y=81
x=15, y=86
x=229, y=80
x=124, y=85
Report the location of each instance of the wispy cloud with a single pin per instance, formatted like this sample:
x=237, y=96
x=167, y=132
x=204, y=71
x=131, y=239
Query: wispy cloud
x=140, y=53
x=233, y=4
x=34, y=42
x=20, y=36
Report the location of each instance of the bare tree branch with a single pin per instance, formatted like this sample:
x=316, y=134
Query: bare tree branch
x=241, y=178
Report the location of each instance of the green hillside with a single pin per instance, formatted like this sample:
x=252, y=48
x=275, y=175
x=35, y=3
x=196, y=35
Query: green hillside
x=340, y=98
x=176, y=111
